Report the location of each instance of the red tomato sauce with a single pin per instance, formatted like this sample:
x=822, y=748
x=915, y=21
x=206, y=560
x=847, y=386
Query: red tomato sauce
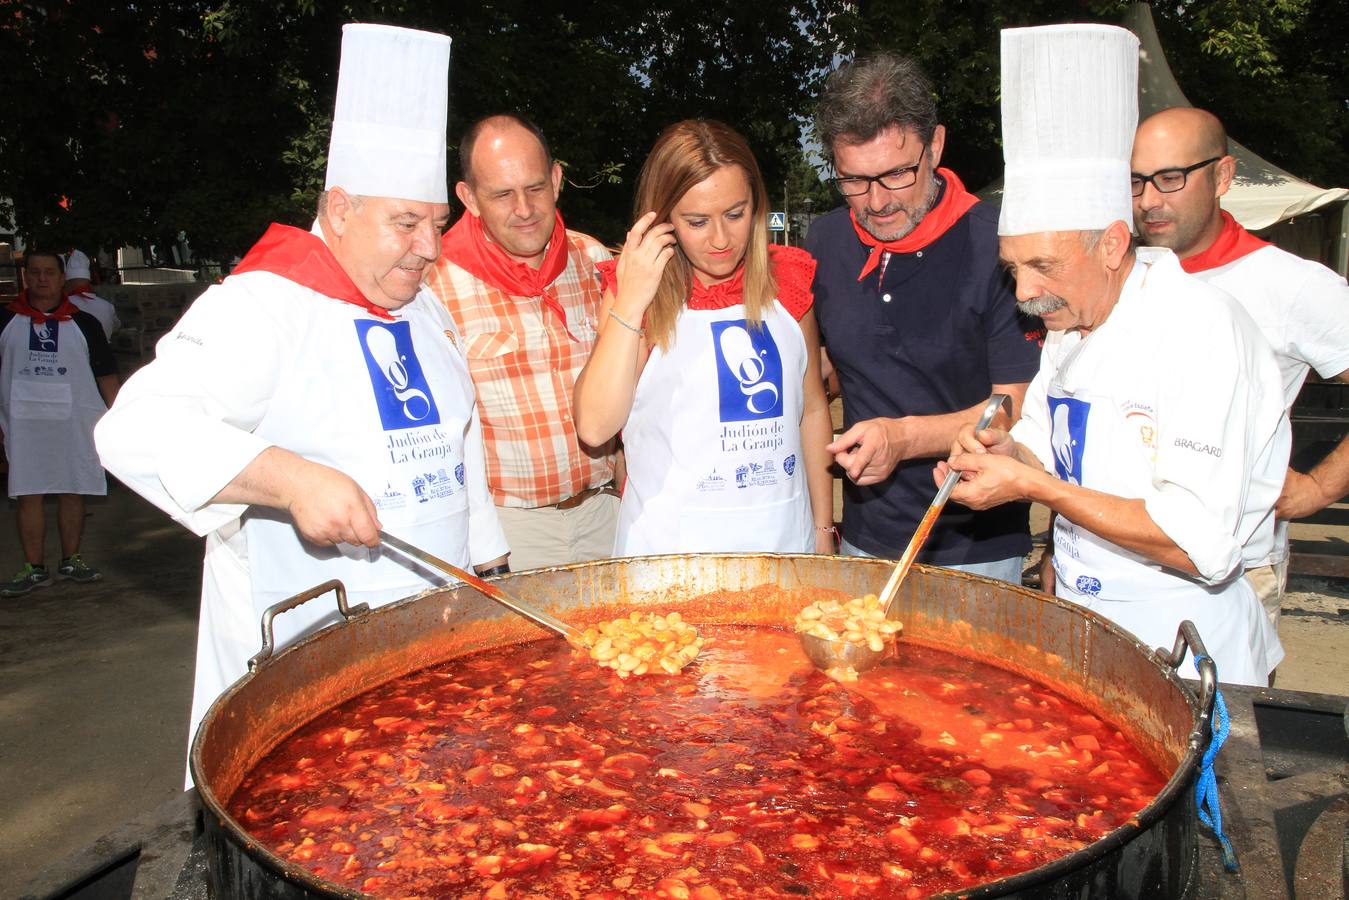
x=529, y=771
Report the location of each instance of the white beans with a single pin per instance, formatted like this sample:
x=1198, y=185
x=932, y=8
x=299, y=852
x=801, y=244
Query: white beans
x=642, y=643
x=859, y=621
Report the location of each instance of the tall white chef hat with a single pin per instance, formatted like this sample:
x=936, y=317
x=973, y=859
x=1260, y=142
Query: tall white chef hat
x=1069, y=110
x=393, y=95
x=77, y=265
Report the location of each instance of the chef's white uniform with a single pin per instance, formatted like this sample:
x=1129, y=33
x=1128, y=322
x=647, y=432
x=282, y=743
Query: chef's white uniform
x=49, y=404
x=713, y=441
x=261, y=361
x=1173, y=400
x=1302, y=309
x=100, y=309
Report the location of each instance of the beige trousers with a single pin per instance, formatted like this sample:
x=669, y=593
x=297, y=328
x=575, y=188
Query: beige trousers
x=547, y=536
x=1269, y=583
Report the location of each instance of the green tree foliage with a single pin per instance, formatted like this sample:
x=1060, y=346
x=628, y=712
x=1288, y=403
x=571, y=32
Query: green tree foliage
x=1272, y=70
x=128, y=122
x=124, y=122
x=213, y=118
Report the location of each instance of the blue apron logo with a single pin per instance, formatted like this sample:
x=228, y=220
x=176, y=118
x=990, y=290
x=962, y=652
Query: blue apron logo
x=401, y=392
x=459, y=474
x=1088, y=585
x=42, y=336
x=749, y=371
x=1068, y=436
x=789, y=465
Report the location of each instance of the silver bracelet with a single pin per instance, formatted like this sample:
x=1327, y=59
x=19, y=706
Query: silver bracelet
x=628, y=325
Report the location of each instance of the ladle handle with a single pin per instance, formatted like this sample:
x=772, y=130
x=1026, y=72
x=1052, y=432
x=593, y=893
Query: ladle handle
x=538, y=616
x=924, y=528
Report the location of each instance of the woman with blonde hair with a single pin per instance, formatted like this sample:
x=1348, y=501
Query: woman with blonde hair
x=708, y=361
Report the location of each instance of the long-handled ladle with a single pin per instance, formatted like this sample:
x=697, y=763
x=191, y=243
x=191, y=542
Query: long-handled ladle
x=839, y=654
x=571, y=633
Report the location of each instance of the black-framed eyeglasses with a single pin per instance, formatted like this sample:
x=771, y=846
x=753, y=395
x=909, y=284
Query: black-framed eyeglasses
x=1166, y=181
x=894, y=180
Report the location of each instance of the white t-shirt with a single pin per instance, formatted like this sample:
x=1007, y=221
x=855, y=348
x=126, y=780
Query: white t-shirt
x=100, y=309
x=1302, y=309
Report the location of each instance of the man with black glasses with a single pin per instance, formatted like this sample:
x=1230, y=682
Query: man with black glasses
x=918, y=319
x=1181, y=169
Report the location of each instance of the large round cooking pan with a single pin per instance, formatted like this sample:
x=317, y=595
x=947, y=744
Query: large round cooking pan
x=1087, y=658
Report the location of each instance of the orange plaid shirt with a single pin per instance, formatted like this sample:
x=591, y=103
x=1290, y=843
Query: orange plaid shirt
x=524, y=365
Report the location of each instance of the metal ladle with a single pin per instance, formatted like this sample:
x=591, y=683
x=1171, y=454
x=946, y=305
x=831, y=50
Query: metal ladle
x=838, y=653
x=570, y=633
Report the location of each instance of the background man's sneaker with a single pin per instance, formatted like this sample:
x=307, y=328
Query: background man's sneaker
x=29, y=577
x=75, y=568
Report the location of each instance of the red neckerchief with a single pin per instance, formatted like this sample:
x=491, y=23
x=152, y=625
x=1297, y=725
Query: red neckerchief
x=954, y=203
x=721, y=295
x=302, y=257
x=63, y=312
x=466, y=245
x=1232, y=243
x=793, y=269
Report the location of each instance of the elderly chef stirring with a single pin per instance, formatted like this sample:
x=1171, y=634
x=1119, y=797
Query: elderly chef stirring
x=316, y=395
x=1157, y=404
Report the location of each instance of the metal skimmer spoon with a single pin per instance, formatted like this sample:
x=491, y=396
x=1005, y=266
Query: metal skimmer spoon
x=831, y=654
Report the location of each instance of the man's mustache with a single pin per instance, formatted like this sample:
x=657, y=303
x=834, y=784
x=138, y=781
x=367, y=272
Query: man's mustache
x=1042, y=305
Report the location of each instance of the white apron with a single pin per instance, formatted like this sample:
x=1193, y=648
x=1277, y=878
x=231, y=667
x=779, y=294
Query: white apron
x=370, y=401
x=49, y=404
x=713, y=442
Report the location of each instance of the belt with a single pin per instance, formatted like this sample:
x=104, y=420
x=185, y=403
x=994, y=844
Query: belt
x=577, y=499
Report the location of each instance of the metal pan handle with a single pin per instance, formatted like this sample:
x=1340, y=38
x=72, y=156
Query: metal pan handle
x=269, y=639
x=1187, y=637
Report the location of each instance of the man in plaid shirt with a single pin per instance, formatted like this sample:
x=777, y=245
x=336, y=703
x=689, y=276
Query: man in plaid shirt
x=525, y=296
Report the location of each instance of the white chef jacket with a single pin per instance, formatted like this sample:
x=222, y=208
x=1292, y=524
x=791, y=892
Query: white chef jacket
x=261, y=361
x=1173, y=400
x=713, y=441
x=99, y=308
x=1302, y=309
x=49, y=403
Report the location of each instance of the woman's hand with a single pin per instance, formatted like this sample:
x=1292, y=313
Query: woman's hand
x=646, y=252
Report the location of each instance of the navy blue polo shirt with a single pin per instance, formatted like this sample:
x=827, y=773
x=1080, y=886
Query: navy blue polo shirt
x=932, y=334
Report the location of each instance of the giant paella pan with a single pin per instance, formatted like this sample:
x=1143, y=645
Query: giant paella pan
x=440, y=747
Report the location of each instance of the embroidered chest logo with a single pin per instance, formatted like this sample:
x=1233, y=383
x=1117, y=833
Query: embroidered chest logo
x=749, y=371
x=43, y=335
x=401, y=392
x=1068, y=436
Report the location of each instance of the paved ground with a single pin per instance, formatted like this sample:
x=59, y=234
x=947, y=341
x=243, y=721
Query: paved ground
x=95, y=680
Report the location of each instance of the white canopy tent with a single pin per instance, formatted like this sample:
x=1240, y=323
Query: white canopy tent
x=1263, y=197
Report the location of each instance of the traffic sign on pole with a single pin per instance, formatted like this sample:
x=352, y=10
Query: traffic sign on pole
x=777, y=221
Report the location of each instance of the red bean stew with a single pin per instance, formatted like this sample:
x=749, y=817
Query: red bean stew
x=528, y=771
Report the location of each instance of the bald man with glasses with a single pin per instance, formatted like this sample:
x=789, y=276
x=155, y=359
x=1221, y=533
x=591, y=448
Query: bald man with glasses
x=1302, y=307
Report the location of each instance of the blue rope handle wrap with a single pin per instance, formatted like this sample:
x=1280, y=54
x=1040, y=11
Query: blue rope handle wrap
x=1206, y=788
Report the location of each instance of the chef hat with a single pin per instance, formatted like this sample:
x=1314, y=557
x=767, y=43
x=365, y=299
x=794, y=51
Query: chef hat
x=1069, y=110
x=388, y=135
x=77, y=265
